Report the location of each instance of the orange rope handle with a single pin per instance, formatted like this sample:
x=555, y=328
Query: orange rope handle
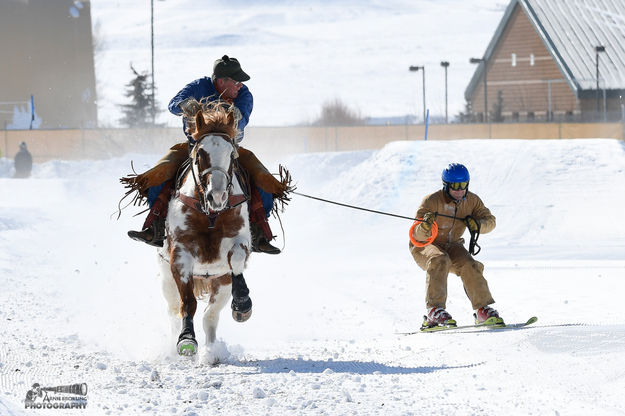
x=430, y=238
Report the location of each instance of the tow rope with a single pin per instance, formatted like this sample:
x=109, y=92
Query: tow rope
x=474, y=234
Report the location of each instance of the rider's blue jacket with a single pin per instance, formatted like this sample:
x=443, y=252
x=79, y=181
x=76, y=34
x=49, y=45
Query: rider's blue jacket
x=204, y=88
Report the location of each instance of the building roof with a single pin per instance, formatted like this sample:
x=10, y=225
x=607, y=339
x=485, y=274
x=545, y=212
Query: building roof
x=570, y=30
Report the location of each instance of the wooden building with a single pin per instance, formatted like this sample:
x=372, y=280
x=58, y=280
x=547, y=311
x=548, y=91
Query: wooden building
x=47, y=52
x=546, y=58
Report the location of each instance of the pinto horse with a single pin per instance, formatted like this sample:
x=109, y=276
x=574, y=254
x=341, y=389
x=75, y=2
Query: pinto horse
x=208, y=230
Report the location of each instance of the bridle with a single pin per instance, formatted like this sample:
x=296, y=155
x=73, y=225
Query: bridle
x=200, y=204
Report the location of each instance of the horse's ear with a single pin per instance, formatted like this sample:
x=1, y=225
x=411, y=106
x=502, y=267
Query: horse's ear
x=199, y=121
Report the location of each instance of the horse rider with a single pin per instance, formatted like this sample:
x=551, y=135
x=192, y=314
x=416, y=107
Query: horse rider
x=23, y=162
x=226, y=83
x=461, y=209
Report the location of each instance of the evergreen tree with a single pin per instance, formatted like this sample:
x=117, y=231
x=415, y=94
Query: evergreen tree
x=140, y=112
x=467, y=115
x=496, y=113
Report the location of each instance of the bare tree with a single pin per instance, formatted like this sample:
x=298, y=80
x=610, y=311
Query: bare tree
x=336, y=113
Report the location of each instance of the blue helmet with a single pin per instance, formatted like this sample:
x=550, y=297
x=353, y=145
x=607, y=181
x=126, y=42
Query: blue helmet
x=455, y=173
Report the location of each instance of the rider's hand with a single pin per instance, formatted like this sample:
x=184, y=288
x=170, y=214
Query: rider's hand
x=471, y=224
x=428, y=220
x=237, y=114
x=190, y=107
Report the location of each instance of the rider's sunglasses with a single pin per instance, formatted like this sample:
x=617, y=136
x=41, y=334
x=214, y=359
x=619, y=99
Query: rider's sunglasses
x=236, y=83
x=458, y=185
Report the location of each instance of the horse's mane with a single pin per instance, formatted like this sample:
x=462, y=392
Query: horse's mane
x=219, y=117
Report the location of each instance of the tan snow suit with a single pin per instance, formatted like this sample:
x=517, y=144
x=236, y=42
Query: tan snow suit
x=447, y=252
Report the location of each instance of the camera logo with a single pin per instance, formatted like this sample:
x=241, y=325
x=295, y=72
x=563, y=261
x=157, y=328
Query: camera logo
x=73, y=396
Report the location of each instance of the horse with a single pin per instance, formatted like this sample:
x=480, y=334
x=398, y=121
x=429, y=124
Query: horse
x=208, y=231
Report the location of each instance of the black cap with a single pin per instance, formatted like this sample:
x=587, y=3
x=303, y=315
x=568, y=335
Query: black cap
x=229, y=67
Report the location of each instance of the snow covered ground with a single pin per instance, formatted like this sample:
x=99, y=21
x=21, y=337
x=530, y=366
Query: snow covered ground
x=81, y=302
x=299, y=55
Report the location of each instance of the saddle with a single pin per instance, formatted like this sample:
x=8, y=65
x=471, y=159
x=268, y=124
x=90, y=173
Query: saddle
x=170, y=167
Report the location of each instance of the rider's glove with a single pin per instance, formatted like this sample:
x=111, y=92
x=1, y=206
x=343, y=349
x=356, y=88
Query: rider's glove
x=428, y=220
x=190, y=107
x=237, y=115
x=472, y=224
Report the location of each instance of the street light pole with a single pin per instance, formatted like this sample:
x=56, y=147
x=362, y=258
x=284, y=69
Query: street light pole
x=599, y=48
x=478, y=61
x=445, y=65
x=422, y=68
x=152, y=47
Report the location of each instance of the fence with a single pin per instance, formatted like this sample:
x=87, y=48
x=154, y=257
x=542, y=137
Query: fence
x=279, y=141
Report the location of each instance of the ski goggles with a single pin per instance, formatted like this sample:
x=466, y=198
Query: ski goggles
x=458, y=185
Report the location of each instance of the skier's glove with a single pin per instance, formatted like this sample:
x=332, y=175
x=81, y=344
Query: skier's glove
x=428, y=220
x=472, y=224
x=190, y=107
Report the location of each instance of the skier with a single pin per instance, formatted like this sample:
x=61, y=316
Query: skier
x=454, y=208
x=226, y=83
x=23, y=162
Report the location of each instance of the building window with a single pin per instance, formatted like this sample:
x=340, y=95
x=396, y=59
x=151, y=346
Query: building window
x=531, y=59
x=530, y=116
x=513, y=59
x=515, y=116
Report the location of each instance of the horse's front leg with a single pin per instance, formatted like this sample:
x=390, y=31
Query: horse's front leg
x=241, y=302
x=187, y=345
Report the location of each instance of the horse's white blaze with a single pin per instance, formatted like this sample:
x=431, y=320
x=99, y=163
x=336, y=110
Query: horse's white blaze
x=220, y=152
x=219, y=198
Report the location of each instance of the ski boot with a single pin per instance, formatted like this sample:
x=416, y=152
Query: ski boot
x=488, y=316
x=437, y=317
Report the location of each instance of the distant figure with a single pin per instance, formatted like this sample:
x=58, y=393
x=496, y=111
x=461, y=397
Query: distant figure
x=23, y=162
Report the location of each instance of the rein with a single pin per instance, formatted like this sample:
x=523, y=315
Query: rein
x=200, y=204
x=474, y=235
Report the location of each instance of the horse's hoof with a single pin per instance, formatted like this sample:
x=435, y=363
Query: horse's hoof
x=187, y=347
x=241, y=308
x=241, y=316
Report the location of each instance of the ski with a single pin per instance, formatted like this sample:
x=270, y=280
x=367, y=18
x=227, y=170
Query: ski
x=488, y=324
